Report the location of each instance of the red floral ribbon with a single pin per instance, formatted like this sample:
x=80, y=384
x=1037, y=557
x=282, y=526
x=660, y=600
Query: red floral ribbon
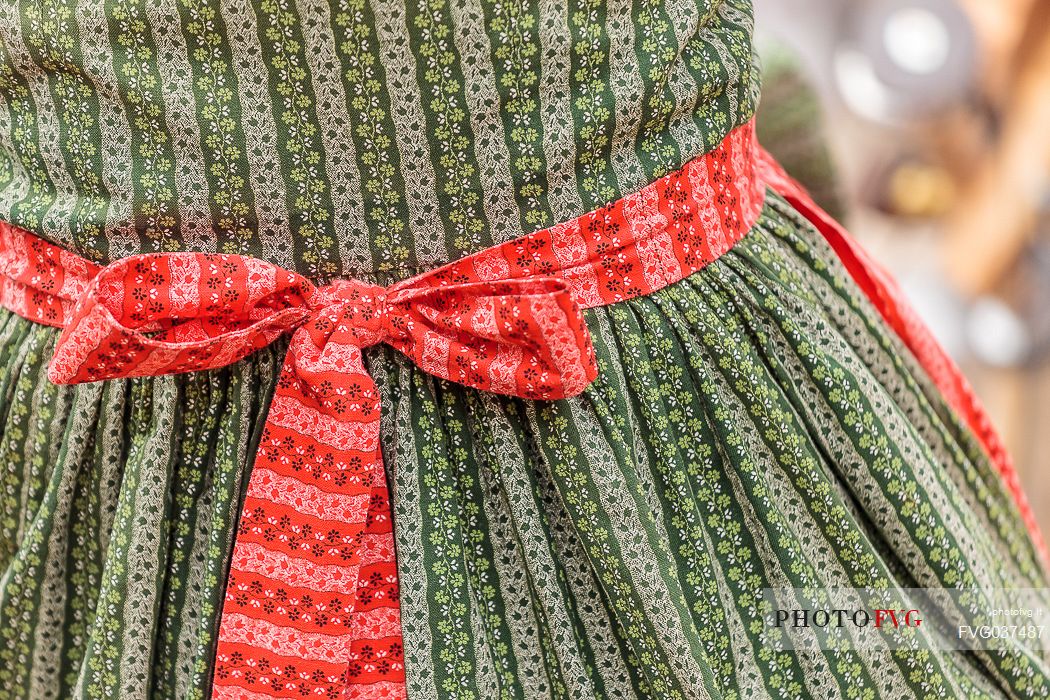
x=311, y=605
x=315, y=524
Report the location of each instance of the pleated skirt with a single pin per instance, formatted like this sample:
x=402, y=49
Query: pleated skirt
x=753, y=426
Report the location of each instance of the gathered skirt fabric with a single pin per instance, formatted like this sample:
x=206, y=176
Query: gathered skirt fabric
x=754, y=425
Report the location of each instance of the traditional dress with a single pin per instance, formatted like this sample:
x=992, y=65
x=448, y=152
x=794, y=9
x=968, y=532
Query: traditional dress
x=460, y=350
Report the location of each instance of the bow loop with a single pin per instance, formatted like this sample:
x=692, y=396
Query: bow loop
x=167, y=313
x=521, y=337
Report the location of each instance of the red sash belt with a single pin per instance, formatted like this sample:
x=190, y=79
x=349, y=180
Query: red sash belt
x=311, y=605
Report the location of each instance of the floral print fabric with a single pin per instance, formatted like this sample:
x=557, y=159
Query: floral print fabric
x=893, y=306
x=315, y=522
x=367, y=139
x=752, y=425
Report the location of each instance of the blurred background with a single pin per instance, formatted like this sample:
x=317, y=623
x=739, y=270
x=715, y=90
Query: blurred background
x=925, y=126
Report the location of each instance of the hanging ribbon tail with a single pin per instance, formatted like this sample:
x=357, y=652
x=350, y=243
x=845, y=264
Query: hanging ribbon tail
x=312, y=604
x=887, y=297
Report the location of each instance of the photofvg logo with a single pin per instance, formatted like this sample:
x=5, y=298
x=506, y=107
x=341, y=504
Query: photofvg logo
x=905, y=618
x=840, y=617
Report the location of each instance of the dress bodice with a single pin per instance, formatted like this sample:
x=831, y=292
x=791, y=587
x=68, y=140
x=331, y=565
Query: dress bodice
x=367, y=138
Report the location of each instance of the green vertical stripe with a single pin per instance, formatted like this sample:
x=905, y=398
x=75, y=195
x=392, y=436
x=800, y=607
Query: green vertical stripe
x=593, y=102
x=374, y=135
x=222, y=139
x=441, y=87
x=156, y=212
x=515, y=55
x=299, y=138
x=657, y=50
x=50, y=31
x=26, y=163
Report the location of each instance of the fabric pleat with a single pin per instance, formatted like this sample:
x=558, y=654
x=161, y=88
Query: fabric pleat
x=755, y=425
x=118, y=507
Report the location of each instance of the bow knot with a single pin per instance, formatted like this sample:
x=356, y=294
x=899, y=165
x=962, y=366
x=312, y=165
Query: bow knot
x=351, y=307
x=506, y=319
x=319, y=456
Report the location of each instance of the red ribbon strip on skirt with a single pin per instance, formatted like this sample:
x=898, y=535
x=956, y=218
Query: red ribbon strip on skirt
x=311, y=606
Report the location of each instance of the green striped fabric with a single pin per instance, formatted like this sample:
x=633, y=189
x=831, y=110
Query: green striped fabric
x=754, y=425
x=349, y=137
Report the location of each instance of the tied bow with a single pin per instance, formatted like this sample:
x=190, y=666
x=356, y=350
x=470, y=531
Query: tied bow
x=168, y=313
x=319, y=467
